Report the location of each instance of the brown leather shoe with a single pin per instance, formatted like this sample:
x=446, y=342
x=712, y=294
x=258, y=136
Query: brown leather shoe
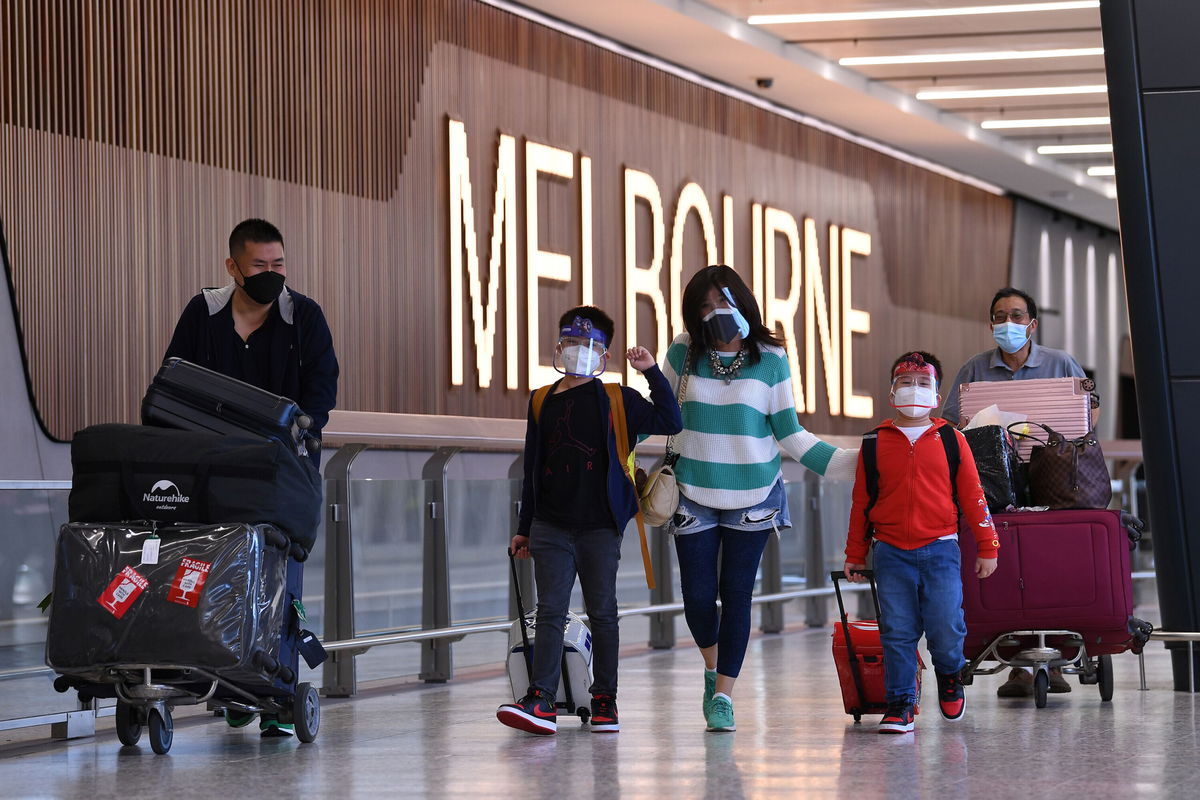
x=1019, y=684
x=1058, y=684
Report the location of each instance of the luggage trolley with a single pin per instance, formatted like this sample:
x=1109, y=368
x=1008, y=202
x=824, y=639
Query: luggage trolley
x=147, y=693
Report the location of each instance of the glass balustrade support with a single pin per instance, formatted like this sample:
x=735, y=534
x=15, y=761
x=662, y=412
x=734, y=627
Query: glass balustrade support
x=516, y=474
x=437, y=665
x=662, y=625
x=771, y=618
x=339, y=678
x=815, y=573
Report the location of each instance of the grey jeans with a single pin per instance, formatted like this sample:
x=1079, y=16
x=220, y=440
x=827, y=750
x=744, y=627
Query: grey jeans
x=559, y=554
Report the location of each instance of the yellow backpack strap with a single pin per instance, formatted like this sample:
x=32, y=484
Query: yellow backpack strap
x=616, y=402
x=539, y=397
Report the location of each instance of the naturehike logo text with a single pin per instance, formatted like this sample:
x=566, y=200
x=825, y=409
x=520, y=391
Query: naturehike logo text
x=169, y=497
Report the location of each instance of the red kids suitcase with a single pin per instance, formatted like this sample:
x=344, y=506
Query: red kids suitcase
x=1058, y=571
x=858, y=654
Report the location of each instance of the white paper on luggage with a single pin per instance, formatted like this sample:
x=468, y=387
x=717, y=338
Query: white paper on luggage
x=1060, y=403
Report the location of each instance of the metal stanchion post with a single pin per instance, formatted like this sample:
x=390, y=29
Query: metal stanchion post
x=662, y=626
x=815, y=574
x=437, y=665
x=339, y=671
x=771, y=620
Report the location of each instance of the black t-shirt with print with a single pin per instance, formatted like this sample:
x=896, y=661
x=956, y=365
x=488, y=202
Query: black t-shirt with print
x=573, y=484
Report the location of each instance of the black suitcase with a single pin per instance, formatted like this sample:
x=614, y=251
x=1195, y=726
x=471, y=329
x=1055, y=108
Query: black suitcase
x=218, y=597
x=189, y=397
x=136, y=472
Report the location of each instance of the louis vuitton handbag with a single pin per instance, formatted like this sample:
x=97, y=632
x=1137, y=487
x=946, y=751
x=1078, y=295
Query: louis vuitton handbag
x=1066, y=473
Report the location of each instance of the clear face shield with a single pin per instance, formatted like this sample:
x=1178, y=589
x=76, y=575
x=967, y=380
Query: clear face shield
x=914, y=394
x=581, y=351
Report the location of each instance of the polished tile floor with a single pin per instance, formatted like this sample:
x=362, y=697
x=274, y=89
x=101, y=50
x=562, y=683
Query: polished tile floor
x=792, y=741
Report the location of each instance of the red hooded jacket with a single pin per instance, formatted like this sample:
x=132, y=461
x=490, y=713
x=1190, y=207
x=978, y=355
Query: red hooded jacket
x=916, y=504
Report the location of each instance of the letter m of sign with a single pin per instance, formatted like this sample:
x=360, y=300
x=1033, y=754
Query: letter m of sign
x=464, y=253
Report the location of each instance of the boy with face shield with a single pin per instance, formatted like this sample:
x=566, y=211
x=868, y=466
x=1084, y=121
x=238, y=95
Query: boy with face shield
x=909, y=497
x=576, y=500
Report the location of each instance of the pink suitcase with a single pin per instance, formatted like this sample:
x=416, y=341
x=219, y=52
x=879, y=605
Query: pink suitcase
x=1063, y=404
x=1057, y=570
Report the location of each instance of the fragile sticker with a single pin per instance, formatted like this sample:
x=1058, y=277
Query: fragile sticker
x=124, y=589
x=189, y=582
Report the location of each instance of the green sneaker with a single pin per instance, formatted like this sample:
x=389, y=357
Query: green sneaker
x=720, y=714
x=238, y=719
x=271, y=726
x=710, y=688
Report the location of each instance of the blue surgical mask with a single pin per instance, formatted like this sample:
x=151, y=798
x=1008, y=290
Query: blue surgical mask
x=1010, y=337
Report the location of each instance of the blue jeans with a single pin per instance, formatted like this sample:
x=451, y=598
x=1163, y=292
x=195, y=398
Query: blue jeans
x=720, y=561
x=919, y=591
x=558, y=555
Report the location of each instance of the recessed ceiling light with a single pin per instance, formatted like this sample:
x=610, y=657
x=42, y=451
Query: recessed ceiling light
x=995, y=55
x=1036, y=91
x=916, y=13
x=1072, y=149
x=1102, y=172
x=1064, y=122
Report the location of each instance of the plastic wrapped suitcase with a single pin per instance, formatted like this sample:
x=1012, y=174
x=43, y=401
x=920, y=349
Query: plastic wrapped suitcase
x=575, y=680
x=213, y=596
x=189, y=397
x=858, y=655
x=1062, y=403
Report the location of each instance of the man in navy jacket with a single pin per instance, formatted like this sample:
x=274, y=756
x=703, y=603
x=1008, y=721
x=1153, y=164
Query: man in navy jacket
x=259, y=331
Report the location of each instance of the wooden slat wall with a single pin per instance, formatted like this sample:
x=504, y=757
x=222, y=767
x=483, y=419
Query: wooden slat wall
x=134, y=134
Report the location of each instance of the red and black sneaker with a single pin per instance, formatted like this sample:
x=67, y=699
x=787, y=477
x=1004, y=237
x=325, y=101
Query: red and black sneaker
x=604, y=714
x=951, y=699
x=899, y=718
x=533, y=714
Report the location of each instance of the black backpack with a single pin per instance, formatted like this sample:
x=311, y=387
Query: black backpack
x=870, y=457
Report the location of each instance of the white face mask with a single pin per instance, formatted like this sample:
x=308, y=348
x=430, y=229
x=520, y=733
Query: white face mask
x=914, y=401
x=581, y=361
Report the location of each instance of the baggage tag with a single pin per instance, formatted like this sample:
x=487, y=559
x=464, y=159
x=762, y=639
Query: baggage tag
x=126, y=587
x=150, y=549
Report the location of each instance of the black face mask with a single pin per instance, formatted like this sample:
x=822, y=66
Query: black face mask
x=263, y=287
x=721, y=325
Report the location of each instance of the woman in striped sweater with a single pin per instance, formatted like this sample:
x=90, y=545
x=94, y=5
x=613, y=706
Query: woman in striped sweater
x=737, y=404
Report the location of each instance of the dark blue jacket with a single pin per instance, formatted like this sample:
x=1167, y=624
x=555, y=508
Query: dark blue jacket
x=658, y=415
x=304, y=367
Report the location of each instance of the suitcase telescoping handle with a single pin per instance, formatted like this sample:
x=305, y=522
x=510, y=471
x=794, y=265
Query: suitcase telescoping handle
x=512, y=565
x=854, y=667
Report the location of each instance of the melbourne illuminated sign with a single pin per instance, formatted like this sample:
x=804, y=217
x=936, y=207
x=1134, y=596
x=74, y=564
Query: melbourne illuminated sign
x=829, y=320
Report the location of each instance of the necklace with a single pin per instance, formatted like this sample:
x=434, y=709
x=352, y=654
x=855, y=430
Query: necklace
x=722, y=371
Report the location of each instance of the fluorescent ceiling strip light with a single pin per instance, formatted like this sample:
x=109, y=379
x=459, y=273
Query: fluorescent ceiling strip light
x=946, y=58
x=613, y=46
x=917, y=13
x=1102, y=172
x=1064, y=122
x=979, y=94
x=1072, y=149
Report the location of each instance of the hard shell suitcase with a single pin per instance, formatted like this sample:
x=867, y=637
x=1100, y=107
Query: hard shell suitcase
x=575, y=680
x=1057, y=570
x=1062, y=403
x=189, y=397
x=858, y=655
x=216, y=597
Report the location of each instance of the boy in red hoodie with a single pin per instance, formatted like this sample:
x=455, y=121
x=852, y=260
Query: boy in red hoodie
x=913, y=516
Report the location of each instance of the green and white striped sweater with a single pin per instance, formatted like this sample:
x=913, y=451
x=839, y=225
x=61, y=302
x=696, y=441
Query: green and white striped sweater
x=727, y=452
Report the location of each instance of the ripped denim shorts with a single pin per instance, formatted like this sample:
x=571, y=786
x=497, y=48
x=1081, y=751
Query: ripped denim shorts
x=771, y=514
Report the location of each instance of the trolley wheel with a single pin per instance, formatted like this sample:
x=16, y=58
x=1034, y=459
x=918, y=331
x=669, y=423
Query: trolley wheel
x=1104, y=669
x=306, y=712
x=129, y=724
x=1041, y=686
x=162, y=730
